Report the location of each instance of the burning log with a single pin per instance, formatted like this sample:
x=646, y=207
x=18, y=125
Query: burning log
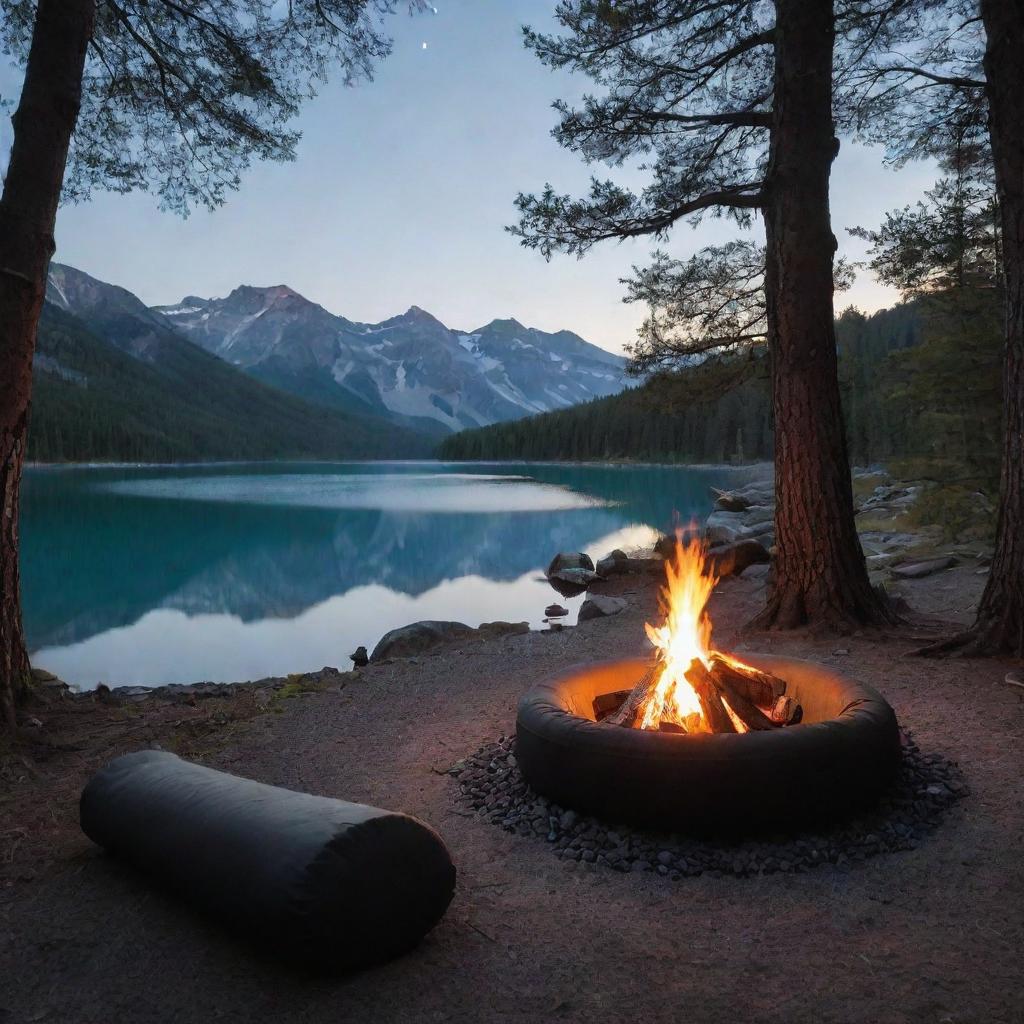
x=760, y=688
x=632, y=707
x=606, y=704
x=786, y=711
x=689, y=687
x=748, y=713
x=715, y=713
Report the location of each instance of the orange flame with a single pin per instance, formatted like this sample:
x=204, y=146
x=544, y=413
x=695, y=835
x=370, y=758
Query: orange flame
x=685, y=636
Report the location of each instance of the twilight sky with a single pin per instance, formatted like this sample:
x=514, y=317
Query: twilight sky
x=401, y=190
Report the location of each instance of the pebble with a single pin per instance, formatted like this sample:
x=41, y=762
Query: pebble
x=491, y=785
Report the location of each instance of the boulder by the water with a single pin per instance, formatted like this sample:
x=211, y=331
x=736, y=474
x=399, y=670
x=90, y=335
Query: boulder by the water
x=730, y=527
x=570, y=560
x=665, y=547
x=652, y=565
x=729, y=501
x=917, y=570
x=48, y=681
x=569, y=582
x=555, y=611
x=718, y=535
x=502, y=628
x=732, y=559
x=597, y=606
x=418, y=637
x=614, y=562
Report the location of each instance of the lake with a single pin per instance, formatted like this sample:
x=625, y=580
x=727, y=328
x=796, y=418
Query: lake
x=167, y=574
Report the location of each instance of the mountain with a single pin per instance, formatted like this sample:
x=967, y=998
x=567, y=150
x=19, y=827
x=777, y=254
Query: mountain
x=411, y=369
x=114, y=381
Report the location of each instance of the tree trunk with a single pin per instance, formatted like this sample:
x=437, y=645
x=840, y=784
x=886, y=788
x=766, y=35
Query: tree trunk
x=43, y=124
x=820, y=577
x=999, y=627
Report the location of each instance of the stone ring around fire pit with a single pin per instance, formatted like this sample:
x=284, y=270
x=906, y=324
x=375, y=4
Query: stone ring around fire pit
x=839, y=760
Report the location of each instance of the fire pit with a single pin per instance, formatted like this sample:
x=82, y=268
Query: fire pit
x=696, y=740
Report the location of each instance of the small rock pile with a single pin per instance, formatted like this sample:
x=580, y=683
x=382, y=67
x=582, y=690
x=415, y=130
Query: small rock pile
x=491, y=784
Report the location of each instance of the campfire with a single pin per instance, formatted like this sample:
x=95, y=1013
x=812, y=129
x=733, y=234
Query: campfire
x=690, y=687
x=597, y=738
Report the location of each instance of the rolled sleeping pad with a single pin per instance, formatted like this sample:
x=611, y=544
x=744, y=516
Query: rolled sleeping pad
x=324, y=882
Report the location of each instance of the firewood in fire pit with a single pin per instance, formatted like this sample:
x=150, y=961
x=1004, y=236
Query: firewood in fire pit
x=671, y=727
x=748, y=713
x=715, y=714
x=786, y=711
x=606, y=704
x=632, y=708
x=760, y=688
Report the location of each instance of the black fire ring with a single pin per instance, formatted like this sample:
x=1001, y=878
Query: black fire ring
x=838, y=761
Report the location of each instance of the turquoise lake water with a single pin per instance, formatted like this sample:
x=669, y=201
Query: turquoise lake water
x=149, y=575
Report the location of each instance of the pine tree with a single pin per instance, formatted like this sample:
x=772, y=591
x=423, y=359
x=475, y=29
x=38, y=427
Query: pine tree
x=163, y=95
x=732, y=104
x=966, y=74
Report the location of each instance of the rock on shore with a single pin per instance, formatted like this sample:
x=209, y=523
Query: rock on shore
x=418, y=637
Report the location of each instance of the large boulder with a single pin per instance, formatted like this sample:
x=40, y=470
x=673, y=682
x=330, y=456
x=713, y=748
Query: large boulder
x=732, y=559
x=729, y=501
x=665, y=547
x=570, y=560
x=418, y=637
x=917, y=570
x=756, y=529
x=570, y=582
x=614, y=562
x=502, y=628
x=756, y=495
x=719, y=535
x=598, y=606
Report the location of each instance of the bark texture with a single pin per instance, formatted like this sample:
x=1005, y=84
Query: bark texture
x=999, y=627
x=820, y=577
x=43, y=124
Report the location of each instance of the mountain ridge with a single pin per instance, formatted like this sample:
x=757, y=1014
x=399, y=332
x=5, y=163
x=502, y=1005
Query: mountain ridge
x=113, y=381
x=410, y=368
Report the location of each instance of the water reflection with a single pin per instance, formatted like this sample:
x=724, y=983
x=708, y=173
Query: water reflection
x=157, y=574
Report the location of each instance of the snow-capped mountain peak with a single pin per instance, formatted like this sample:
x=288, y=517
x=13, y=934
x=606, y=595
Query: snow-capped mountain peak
x=410, y=367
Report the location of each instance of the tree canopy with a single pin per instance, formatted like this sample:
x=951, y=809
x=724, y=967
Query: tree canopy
x=179, y=97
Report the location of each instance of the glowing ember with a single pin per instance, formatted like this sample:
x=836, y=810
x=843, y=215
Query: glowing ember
x=684, y=638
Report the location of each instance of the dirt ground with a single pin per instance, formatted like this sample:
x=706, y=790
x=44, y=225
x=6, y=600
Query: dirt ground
x=931, y=935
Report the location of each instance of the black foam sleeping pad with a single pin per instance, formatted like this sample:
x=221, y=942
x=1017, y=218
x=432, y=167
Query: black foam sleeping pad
x=325, y=883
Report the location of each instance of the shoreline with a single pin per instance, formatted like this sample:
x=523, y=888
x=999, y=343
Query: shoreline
x=609, y=464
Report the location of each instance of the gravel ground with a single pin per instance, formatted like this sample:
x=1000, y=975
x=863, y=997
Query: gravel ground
x=931, y=934
x=492, y=786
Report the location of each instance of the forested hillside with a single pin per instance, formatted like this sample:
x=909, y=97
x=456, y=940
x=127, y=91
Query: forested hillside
x=657, y=422
x=93, y=401
x=920, y=381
